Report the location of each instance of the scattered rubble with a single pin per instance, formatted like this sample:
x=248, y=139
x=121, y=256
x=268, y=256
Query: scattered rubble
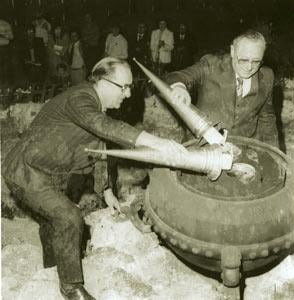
x=287, y=116
x=123, y=263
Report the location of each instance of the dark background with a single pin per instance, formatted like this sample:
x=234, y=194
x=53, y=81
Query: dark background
x=213, y=23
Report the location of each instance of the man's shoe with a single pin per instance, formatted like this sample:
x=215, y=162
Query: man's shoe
x=75, y=292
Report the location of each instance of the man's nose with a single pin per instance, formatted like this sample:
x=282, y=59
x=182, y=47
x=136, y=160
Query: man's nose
x=249, y=65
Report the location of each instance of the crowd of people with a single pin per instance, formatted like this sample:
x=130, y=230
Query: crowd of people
x=234, y=88
x=55, y=53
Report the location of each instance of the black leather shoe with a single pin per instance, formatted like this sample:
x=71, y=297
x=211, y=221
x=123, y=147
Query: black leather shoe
x=75, y=292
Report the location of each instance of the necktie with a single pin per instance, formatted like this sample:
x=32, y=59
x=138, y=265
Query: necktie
x=71, y=54
x=239, y=86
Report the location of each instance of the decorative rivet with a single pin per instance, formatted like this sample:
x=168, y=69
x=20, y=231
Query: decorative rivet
x=183, y=246
x=252, y=255
x=163, y=235
x=208, y=253
x=195, y=250
x=264, y=253
x=156, y=229
x=276, y=249
x=173, y=242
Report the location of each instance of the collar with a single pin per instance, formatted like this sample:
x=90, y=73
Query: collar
x=243, y=79
x=99, y=99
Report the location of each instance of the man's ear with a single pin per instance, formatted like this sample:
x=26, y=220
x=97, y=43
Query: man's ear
x=232, y=51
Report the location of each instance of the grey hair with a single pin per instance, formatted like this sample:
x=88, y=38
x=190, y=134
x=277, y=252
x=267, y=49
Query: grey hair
x=251, y=35
x=105, y=67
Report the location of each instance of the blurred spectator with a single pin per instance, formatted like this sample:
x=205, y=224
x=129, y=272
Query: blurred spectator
x=34, y=57
x=6, y=36
x=90, y=35
x=76, y=59
x=139, y=47
x=116, y=45
x=61, y=78
x=161, y=45
x=57, y=48
x=182, y=55
x=42, y=27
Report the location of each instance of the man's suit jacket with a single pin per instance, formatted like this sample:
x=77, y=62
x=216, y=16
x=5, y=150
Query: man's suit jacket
x=182, y=54
x=139, y=48
x=251, y=116
x=54, y=143
x=38, y=46
x=162, y=54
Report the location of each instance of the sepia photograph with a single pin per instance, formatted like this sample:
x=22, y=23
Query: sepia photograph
x=147, y=149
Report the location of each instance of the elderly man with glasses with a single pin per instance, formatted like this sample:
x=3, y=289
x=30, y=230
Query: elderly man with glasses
x=234, y=88
x=54, y=145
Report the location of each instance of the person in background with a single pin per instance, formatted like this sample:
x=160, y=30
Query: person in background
x=57, y=48
x=116, y=45
x=161, y=45
x=61, y=78
x=76, y=58
x=182, y=54
x=54, y=145
x=234, y=88
x=34, y=57
x=42, y=27
x=6, y=37
x=90, y=36
x=139, y=48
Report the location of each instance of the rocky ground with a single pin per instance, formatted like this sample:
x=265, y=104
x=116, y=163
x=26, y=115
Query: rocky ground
x=287, y=116
x=121, y=262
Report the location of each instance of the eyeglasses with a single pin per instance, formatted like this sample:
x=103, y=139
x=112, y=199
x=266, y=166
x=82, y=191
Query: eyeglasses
x=244, y=62
x=123, y=87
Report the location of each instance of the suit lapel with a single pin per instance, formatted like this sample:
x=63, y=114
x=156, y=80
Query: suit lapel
x=257, y=90
x=261, y=87
x=228, y=91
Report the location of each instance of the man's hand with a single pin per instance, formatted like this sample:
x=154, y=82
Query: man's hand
x=161, y=44
x=169, y=147
x=111, y=201
x=179, y=94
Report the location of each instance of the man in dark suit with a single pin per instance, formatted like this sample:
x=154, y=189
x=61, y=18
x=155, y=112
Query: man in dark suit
x=139, y=48
x=234, y=88
x=182, y=54
x=53, y=146
x=34, y=57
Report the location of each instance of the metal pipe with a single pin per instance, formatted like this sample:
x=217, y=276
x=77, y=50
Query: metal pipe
x=210, y=160
x=191, y=115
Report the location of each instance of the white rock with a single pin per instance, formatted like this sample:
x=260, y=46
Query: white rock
x=20, y=231
x=126, y=264
x=24, y=113
x=289, y=83
x=107, y=233
x=19, y=264
x=43, y=285
x=287, y=113
x=278, y=283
